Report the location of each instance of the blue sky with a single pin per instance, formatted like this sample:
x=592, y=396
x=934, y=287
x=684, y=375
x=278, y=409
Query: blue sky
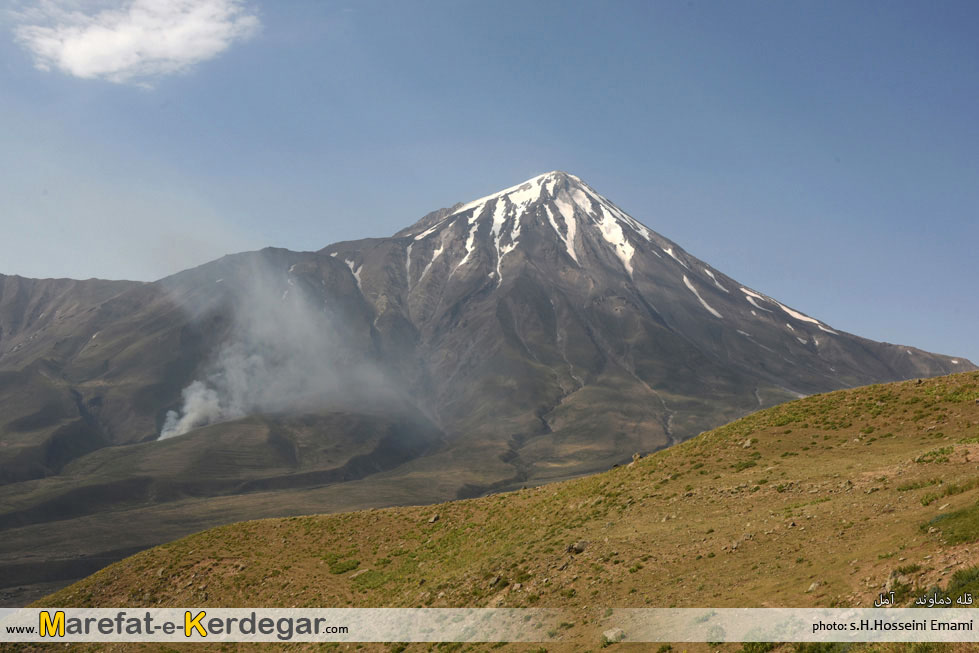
x=825, y=153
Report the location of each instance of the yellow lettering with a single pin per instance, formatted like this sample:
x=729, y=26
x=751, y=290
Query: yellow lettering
x=195, y=623
x=57, y=626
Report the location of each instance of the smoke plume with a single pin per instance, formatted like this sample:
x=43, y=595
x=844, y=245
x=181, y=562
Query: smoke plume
x=288, y=351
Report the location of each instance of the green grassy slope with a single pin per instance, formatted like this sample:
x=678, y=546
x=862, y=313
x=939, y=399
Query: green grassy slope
x=818, y=502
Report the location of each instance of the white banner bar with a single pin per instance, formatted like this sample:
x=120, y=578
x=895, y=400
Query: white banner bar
x=488, y=625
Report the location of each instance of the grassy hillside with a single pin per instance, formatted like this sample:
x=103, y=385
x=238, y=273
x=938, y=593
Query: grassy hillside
x=818, y=502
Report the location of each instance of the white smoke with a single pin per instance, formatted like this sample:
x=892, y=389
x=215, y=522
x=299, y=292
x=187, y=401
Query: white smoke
x=201, y=406
x=285, y=353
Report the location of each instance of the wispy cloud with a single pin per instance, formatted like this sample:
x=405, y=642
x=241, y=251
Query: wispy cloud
x=132, y=40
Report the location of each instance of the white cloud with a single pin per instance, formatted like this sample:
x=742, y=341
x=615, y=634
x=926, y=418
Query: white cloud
x=132, y=41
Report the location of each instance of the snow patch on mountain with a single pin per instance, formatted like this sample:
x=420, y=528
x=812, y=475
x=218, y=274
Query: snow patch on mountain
x=568, y=236
x=354, y=270
x=611, y=230
x=714, y=279
x=697, y=295
x=803, y=318
x=408, y=264
x=529, y=192
x=623, y=217
x=522, y=193
x=751, y=297
x=470, y=244
x=499, y=220
x=428, y=266
x=609, y=226
x=567, y=212
x=797, y=315
x=669, y=250
x=431, y=229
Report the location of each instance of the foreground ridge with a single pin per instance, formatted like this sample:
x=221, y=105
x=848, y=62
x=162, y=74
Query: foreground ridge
x=818, y=502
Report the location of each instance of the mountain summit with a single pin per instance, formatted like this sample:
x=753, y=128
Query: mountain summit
x=559, y=208
x=586, y=334
x=537, y=333
x=557, y=200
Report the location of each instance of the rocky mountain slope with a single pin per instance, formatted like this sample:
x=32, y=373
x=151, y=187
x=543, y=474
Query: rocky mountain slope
x=535, y=334
x=541, y=302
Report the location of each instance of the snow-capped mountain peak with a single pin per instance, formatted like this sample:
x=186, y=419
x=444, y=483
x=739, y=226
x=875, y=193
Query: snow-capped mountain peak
x=555, y=201
x=552, y=260
x=545, y=310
